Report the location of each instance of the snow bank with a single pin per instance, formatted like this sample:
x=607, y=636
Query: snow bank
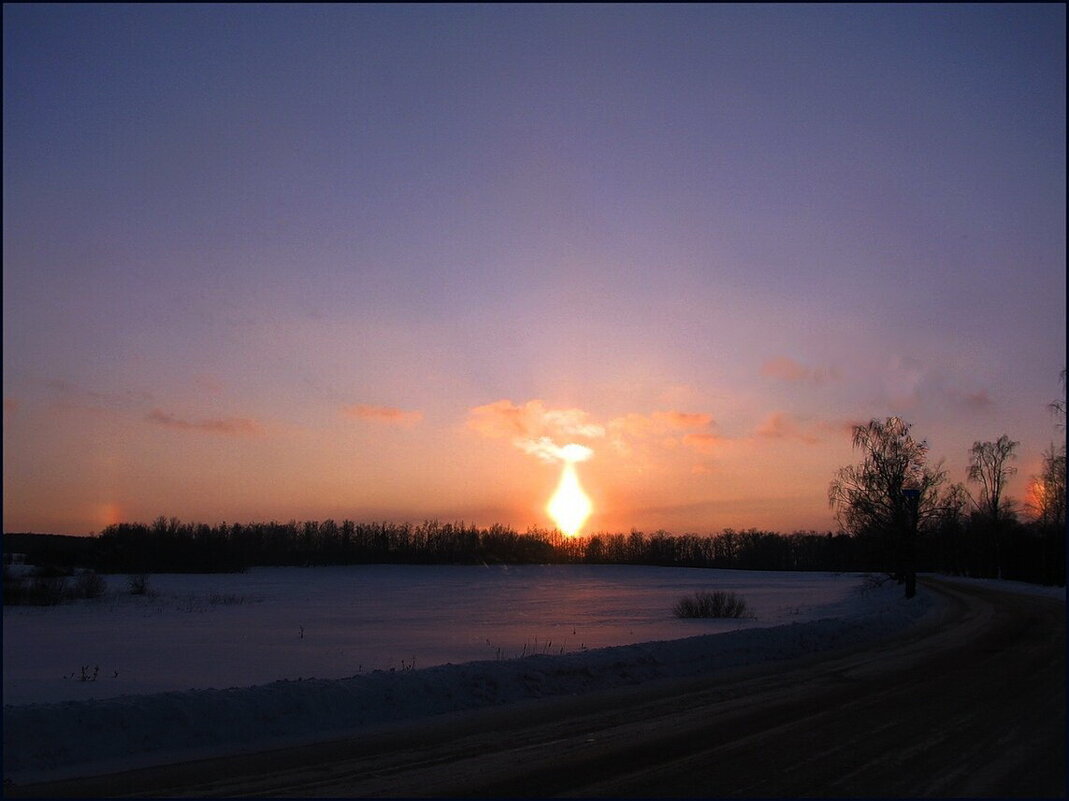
x=55, y=740
x=1002, y=585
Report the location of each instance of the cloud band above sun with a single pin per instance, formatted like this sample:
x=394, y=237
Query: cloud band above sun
x=230, y=427
x=387, y=415
x=542, y=432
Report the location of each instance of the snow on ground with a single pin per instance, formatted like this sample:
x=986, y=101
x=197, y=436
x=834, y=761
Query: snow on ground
x=1019, y=587
x=224, y=663
x=234, y=630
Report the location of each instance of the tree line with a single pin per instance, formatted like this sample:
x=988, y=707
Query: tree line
x=170, y=545
x=956, y=545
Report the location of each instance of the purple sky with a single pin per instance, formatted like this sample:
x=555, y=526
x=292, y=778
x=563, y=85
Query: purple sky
x=269, y=261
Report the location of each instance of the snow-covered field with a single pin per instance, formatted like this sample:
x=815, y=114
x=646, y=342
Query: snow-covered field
x=236, y=630
x=220, y=663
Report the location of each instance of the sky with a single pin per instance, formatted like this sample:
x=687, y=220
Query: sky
x=274, y=262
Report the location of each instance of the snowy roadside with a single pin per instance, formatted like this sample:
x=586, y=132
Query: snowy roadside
x=1018, y=587
x=47, y=741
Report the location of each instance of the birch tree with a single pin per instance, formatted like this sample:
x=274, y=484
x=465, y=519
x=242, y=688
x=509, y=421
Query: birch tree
x=891, y=494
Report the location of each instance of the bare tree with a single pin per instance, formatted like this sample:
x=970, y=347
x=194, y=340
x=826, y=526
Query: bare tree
x=989, y=469
x=892, y=494
x=1058, y=406
x=1047, y=493
x=1047, y=490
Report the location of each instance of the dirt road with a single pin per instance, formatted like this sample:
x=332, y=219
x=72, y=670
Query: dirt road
x=971, y=705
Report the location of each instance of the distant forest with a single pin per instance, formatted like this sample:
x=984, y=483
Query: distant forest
x=1021, y=551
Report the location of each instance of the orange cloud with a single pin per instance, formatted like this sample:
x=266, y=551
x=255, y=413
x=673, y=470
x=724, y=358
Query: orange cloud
x=229, y=427
x=533, y=420
x=786, y=369
x=658, y=423
x=572, y=423
x=683, y=419
x=503, y=419
x=538, y=431
x=633, y=434
x=534, y=429
x=388, y=415
x=701, y=442
x=781, y=425
x=10, y=405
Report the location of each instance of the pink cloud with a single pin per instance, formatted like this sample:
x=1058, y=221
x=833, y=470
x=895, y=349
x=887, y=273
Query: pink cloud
x=229, y=427
x=780, y=425
x=69, y=394
x=787, y=369
x=910, y=384
x=10, y=406
x=504, y=419
x=977, y=401
x=659, y=423
x=388, y=415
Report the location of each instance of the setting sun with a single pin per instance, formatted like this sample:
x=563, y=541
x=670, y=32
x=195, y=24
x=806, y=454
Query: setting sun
x=570, y=506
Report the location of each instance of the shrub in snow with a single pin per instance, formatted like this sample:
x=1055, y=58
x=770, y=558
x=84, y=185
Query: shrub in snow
x=12, y=586
x=89, y=585
x=49, y=587
x=138, y=583
x=710, y=604
x=45, y=590
x=873, y=581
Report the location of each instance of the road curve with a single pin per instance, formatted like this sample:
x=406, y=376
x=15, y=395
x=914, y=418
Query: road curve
x=971, y=704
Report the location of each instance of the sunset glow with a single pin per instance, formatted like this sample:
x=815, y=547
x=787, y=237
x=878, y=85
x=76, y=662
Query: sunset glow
x=414, y=277
x=570, y=506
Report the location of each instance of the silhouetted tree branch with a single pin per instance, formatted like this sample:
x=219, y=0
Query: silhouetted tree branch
x=891, y=494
